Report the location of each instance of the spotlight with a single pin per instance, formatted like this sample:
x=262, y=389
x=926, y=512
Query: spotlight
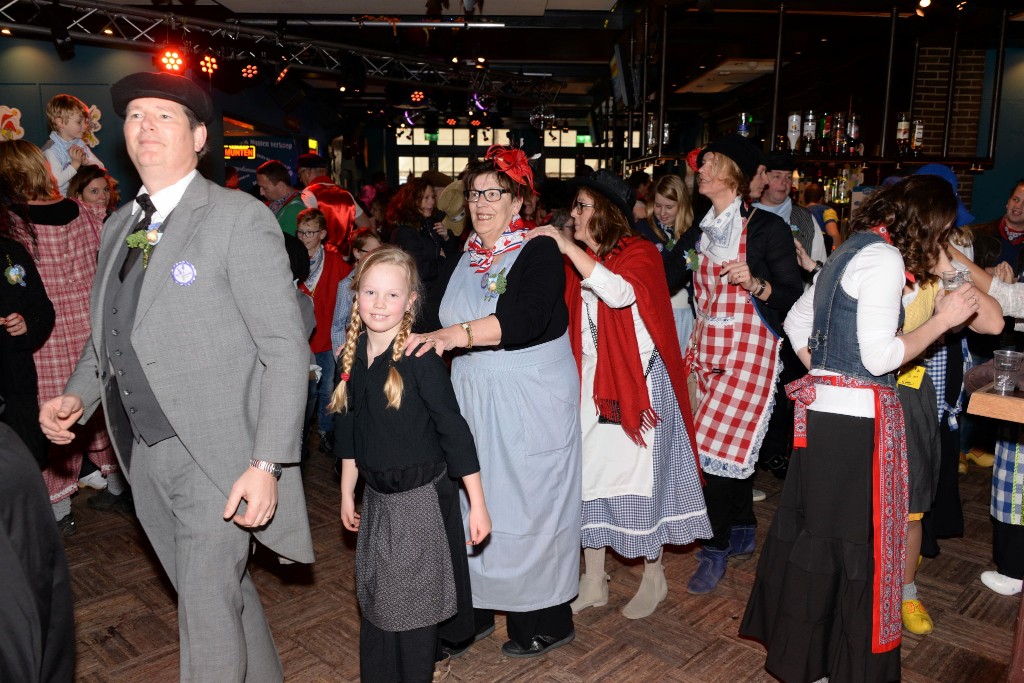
x=281, y=76
x=5, y=31
x=417, y=96
x=109, y=31
x=481, y=60
x=172, y=60
x=62, y=42
x=342, y=88
x=208, y=64
x=250, y=71
x=924, y=3
x=475, y=123
x=455, y=60
x=451, y=121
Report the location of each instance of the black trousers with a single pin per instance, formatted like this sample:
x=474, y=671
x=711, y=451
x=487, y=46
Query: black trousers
x=1008, y=548
x=523, y=627
x=730, y=503
x=396, y=656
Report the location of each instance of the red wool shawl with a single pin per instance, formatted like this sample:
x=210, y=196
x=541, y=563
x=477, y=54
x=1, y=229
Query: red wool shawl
x=620, y=389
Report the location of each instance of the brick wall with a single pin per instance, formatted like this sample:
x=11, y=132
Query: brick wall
x=930, y=92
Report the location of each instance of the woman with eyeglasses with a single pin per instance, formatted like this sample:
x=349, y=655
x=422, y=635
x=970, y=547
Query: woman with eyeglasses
x=505, y=317
x=745, y=279
x=641, y=479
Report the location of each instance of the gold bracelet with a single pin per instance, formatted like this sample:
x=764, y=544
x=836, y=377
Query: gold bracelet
x=469, y=334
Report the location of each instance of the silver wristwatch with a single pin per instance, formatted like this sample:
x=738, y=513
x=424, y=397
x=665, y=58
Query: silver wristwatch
x=271, y=468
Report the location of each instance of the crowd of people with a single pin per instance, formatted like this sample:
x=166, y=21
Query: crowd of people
x=520, y=371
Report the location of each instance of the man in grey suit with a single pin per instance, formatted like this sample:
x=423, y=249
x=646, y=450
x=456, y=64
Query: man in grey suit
x=198, y=357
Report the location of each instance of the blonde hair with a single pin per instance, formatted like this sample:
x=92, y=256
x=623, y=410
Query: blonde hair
x=60, y=107
x=394, y=386
x=672, y=188
x=27, y=172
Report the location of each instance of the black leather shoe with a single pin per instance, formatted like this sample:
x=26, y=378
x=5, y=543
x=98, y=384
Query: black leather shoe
x=538, y=646
x=456, y=650
x=108, y=502
x=67, y=525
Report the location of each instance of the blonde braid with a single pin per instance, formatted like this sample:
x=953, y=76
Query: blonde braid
x=339, y=399
x=394, y=386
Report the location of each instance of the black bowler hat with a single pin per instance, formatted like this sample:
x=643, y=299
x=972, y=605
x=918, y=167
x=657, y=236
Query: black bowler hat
x=165, y=87
x=613, y=188
x=311, y=160
x=742, y=151
x=779, y=161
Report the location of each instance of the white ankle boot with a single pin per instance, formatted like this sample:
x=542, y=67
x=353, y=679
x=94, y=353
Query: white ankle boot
x=653, y=589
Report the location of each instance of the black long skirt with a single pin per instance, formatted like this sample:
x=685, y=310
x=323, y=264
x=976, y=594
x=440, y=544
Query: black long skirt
x=811, y=604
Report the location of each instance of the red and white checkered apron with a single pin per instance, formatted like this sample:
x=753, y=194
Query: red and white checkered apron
x=66, y=258
x=735, y=358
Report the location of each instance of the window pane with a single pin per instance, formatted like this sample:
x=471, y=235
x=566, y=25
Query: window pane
x=459, y=165
x=444, y=136
x=402, y=136
x=404, y=169
x=444, y=165
x=499, y=136
x=421, y=164
x=461, y=136
x=552, y=168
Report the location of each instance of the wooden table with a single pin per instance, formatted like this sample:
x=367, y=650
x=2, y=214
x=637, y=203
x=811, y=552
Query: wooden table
x=1010, y=407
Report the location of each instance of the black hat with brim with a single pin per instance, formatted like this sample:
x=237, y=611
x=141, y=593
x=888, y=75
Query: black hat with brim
x=162, y=86
x=612, y=188
x=742, y=151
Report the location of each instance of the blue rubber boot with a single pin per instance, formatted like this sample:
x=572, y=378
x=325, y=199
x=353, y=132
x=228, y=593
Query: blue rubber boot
x=709, y=572
x=741, y=542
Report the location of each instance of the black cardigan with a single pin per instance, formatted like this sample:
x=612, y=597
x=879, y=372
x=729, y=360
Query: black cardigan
x=770, y=256
x=532, y=310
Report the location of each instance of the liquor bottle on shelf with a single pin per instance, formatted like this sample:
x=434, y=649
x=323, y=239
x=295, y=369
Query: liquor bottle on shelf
x=825, y=134
x=743, y=125
x=853, y=147
x=793, y=131
x=810, y=133
x=838, y=141
x=903, y=134
x=917, y=138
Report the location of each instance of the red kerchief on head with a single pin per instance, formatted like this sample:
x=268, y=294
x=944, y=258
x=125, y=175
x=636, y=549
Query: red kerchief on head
x=513, y=163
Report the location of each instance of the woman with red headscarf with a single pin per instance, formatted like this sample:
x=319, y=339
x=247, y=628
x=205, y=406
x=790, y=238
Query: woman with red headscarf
x=517, y=386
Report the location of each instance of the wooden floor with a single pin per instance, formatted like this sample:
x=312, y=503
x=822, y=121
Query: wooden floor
x=126, y=616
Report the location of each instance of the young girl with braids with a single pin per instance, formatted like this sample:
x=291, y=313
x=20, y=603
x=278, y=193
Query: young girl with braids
x=400, y=429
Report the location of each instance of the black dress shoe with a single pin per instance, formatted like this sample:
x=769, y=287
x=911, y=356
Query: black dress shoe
x=456, y=650
x=66, y=524
x=108, y=502
x=538, y=646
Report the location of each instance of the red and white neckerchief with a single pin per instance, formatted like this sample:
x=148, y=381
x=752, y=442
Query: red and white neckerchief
x=480, y=259
x=889, y=497
x=735, y=358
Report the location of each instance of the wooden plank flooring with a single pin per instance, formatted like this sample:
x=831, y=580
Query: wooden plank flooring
x=126, y=616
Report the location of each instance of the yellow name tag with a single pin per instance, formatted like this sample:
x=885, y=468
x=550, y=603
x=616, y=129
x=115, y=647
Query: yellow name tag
x=911, y=378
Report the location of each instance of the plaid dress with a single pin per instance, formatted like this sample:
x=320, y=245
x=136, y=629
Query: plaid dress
x=66, y=258
x=735, y=357
x=1008, y=476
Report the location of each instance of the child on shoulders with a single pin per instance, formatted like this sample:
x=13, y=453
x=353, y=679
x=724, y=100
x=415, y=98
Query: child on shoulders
x=68, y=118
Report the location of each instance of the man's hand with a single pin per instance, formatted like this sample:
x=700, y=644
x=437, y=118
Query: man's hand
x=57, y=415
x=259, y=490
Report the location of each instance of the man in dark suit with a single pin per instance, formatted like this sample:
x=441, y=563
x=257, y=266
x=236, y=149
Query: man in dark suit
x=198, y=357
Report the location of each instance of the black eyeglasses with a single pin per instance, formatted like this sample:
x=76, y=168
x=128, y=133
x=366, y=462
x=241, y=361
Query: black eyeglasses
x=578, y=207
x=492, y=194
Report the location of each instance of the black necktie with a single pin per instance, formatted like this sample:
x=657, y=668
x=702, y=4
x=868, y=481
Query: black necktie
x=146, y=204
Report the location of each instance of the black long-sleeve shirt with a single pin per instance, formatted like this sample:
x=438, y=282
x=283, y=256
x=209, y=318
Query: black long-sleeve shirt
x=532, y=309
x=427, y=428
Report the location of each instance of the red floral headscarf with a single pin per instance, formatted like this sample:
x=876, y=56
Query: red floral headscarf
x=513, y=163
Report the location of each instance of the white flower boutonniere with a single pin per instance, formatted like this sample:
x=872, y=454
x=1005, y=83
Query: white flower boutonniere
x=144, y=240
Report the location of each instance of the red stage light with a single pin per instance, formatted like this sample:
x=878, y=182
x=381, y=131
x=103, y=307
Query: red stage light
x=171, y=60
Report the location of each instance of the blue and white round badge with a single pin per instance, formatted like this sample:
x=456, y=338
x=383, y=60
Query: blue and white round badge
x=184, y=273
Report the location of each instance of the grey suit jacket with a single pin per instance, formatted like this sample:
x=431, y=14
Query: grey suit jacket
x=225, y=355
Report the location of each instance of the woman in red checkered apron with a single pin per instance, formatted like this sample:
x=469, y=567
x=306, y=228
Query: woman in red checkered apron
x=745, y=279
x=63, y=246
x=827, y=598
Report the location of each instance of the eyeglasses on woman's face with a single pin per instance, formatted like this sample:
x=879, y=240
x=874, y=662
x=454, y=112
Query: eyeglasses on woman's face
x=491, y=194
x=578, y=207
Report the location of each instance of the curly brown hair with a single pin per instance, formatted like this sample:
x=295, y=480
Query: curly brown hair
x=404, y=207
x=919, y=213
x=607, y=225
